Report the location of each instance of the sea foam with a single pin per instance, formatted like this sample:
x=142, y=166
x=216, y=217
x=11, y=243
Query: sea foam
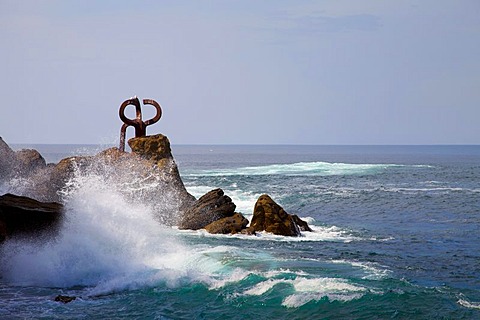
x=306, y=290
x=300, y=168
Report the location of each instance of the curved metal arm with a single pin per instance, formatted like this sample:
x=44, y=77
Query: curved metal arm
x=159, y=111
x=121, y=112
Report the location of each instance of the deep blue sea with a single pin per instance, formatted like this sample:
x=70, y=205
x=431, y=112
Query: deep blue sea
x=396, y=236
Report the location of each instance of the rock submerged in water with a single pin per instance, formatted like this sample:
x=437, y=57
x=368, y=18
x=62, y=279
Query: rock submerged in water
x=64, y=299
x=270, y=217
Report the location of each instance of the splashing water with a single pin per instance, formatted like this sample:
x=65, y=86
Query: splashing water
x=112, y=241
x=105, y=237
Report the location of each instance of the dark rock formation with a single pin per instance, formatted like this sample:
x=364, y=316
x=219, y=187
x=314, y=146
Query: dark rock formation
x=211, y=207
x=269, y=216
x=233, y=224
x=149, y=172
x=25, y=216
x=151, y=177
x=64, y=299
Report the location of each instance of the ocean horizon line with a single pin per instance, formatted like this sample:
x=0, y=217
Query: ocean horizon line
x=260, y=144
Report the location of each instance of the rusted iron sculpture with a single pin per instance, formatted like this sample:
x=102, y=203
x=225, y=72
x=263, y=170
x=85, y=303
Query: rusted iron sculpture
x=139, y=125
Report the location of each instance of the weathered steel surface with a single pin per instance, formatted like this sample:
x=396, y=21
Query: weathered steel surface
x=139, y=125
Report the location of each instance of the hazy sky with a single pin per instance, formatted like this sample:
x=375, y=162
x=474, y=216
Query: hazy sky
x=266, y=72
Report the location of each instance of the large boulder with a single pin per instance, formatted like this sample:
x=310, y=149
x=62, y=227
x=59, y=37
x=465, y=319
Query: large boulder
x=23, y=216
x=233, y=224
x=211, y=207
x=270, y=217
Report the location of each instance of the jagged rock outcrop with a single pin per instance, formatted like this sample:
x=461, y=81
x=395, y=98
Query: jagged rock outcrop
x=233, y=224
x=23, y=216
x=19, y=163
x=270, y=217
x=211, y=207
x=155, y=148
x=149, y=174
x=64, y=299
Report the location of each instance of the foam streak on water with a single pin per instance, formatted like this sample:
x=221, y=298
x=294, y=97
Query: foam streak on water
x=301, y=168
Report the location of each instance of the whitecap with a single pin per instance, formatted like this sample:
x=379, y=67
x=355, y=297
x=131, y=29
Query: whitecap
x=371, y=270
x=299, y=168
x=468, y=304
x=310, y=289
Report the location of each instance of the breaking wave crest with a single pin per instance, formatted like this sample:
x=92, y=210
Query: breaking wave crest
x=113, y=240
x=106, y=235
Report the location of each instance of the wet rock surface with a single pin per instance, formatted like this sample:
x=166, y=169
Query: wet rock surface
x=232, y=225
x=211, y=207
x=151, y=168
x=270, y=217
x=23, y=216
x=64, y=299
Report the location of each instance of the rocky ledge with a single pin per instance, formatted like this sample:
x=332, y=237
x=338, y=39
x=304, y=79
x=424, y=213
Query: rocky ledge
x=150, y=163
x=23, y=216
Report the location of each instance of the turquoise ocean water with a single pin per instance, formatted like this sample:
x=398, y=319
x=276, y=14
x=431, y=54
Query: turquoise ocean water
x=396, y=236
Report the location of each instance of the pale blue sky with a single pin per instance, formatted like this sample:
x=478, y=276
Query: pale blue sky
x=263, y=72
